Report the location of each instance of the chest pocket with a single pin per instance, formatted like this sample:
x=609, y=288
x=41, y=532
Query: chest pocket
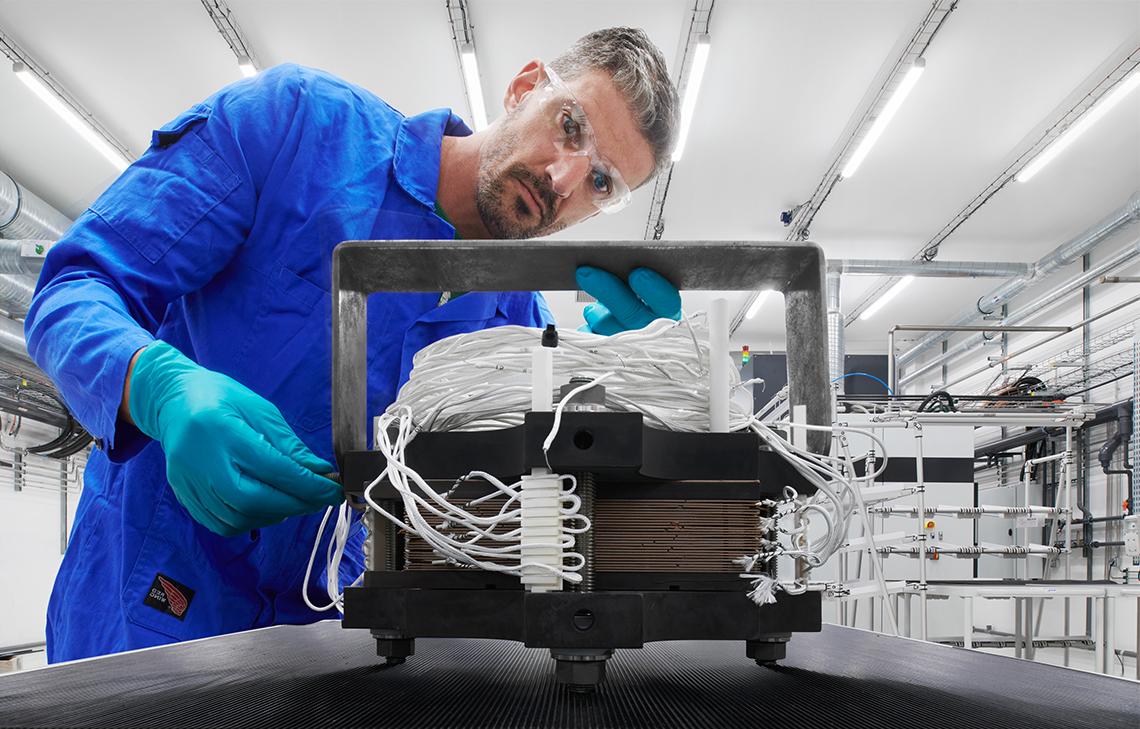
x=169, y=190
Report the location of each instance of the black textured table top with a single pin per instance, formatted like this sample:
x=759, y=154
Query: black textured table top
x=321, y=675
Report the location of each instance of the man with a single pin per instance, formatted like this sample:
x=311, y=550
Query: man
x=186, y=317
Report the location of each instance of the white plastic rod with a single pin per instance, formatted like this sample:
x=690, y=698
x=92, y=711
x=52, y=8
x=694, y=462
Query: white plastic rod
x=542, y=379
x=719, y=364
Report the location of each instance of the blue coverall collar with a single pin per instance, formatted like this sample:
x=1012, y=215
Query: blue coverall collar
x=416, y=161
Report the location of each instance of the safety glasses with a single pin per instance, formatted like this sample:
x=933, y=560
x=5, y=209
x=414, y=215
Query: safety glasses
x=574, y=137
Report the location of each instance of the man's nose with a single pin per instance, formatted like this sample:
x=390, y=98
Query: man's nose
x=567, y=172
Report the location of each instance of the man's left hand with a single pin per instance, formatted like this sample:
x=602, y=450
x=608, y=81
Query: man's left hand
x=622, y=305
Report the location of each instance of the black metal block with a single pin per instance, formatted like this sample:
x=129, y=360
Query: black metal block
x=584, y=619
x=618, y=447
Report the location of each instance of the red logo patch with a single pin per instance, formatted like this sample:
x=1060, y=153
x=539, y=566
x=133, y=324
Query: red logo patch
x=174, y=597
x=169, y=596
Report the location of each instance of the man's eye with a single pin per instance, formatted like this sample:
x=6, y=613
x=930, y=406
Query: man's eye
x=602, y=183
x=570, y=128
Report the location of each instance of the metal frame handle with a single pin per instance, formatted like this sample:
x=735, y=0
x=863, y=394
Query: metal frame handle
x=361, y=268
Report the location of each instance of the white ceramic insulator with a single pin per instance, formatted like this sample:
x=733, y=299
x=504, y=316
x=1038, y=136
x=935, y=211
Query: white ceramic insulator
x=542, y=379
x=719, y=363
x=541, y=531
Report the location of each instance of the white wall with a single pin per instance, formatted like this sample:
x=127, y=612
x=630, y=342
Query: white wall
x=30, y=551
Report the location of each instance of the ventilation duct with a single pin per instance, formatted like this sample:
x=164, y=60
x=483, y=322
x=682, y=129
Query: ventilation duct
x=1057, y=259
x=23, y=215
x=24, y=257
x=12, y=344
x=15, y=294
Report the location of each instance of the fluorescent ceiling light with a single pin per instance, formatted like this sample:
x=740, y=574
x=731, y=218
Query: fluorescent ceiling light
x=884, y=117
x=1090, y=117
x=69, y=115
x=692, y=88
x=247, y=68
x=757, y=303
x=474, y=88
x=891, y=293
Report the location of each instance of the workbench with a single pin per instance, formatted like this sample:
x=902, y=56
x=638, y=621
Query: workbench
x=322, y=675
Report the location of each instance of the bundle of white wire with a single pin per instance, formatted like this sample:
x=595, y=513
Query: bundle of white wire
x=837, y=497
x=496, y=537
x=482, y=380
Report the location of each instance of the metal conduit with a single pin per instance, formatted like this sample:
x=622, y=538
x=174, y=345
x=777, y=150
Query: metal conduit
x=1058, y=258
x=941, y=269
x=835, y=325
x=1029, y=310
x=24, y=215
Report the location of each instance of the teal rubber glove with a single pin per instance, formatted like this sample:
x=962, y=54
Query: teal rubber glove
x=624, y=306
x=231, y=458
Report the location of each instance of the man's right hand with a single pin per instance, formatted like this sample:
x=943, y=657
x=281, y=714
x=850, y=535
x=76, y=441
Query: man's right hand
x=231, y=458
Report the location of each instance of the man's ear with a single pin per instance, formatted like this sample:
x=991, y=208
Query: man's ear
x=523, y=83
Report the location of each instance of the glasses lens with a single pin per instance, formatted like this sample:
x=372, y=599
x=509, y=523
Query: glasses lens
x=573, y=135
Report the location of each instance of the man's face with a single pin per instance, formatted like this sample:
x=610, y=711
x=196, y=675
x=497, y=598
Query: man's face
x=528, y=186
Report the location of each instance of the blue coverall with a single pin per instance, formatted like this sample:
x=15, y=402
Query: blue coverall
x=218, y=240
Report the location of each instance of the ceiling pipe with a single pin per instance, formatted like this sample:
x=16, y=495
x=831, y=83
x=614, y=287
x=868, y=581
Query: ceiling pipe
x=12, y=344
x=1063, y=255
x=999, y=361
x=24, y=257
x=15, y=293
x=1031, y=309
x=1058, y=258
x=24, y=215
x=940, y=269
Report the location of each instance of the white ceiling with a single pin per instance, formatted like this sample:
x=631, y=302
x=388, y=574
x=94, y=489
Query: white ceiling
x=783, y=81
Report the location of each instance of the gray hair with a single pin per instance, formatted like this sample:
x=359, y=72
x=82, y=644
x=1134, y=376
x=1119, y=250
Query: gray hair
x=638, y=71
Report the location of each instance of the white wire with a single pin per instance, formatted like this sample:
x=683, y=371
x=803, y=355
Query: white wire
x=333, y=555
x=471, y=551
x=481, y=380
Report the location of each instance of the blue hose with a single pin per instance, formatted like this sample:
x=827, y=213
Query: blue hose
x=864, y=374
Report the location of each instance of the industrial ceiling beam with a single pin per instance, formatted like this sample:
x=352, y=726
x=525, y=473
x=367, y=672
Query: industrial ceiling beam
x=60, y=96
x=229, y=29
x=1123, y=61
x=696, y=25
x=799, y=219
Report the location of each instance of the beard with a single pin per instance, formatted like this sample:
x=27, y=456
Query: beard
x=505, y=213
